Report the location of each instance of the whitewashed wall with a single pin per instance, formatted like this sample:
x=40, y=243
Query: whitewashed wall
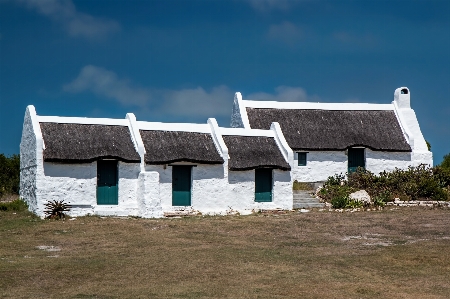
x=28, y=162
x=320, y=165
x=377, y=162
x=76, y=184
x=215, y=190
x=149, y=194
x=323, y=164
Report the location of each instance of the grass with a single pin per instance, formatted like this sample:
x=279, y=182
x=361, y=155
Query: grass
x=401, y=253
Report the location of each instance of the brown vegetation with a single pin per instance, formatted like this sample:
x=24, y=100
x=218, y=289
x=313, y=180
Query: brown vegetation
x=394, y=253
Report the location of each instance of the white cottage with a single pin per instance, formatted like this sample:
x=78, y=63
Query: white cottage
x=128, y=167
x=90, y=162
x=332, y=138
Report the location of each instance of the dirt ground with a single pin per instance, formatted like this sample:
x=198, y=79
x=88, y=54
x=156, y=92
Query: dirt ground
x=394, y=253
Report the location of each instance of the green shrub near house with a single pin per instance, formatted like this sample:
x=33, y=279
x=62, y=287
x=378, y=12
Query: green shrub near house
x=17, y=205
x=446, y=162
x=414, y=183
x=9, y=175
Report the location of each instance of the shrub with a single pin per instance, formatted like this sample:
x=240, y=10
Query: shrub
x=446, y=162
x=336, y=191
x=56, y=209
x=339, y=202
x=9, y=174
x=17, y=205
x=411, y=184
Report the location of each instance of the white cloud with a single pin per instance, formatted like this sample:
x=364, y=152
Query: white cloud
x=192, y=103
x=76, y=23
x=188, y=101
x=198, y=101
x=285, y=32
x=106, y=83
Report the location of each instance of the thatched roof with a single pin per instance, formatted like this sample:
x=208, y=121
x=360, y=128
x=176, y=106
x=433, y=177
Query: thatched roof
x=251, y=152
x=164, y=147
x=333, y=130
x=78, y=143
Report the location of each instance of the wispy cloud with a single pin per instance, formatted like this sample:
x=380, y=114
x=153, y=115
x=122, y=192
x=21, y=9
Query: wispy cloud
x=107, y=84
x=285, y=32
x=198, y=101
x=76, y=23
x=191, y=103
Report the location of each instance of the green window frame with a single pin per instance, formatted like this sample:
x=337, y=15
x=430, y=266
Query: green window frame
x=301, y=156
x=263, y=184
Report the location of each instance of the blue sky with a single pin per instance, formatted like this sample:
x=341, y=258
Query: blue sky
x=182, y=61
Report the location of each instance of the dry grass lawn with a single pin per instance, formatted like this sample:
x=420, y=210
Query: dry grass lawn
x=401, y=253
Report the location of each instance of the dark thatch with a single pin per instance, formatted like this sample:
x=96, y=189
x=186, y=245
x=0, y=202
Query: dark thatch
x=333, y=130
x=164, y=147
x=251, y=152
x=80, y=143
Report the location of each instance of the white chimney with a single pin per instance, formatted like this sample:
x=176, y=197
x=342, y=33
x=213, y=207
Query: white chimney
x=402, y=97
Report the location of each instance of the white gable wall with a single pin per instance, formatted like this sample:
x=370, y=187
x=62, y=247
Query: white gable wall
x=410, y=125
x=30, y=158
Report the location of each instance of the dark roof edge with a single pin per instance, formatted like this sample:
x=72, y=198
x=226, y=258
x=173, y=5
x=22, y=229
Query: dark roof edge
x=183, y=160
x=80, y=161
x=258, y=167
x=350, y=146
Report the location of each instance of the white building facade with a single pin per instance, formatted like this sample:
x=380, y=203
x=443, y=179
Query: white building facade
x=125, y=167
x=333, y=138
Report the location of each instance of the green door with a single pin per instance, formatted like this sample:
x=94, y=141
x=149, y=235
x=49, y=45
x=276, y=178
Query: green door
x=107, y=191
x=355, y=159
x=181, y=185
x=263, y=185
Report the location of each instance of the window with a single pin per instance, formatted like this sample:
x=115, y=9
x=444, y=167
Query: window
x=301, y=159
x=263, y=185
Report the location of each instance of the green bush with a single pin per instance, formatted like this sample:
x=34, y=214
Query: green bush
x=339, y=202
x=414, y=183
x=446, y=162
x=17, y=205
x=9, y=174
